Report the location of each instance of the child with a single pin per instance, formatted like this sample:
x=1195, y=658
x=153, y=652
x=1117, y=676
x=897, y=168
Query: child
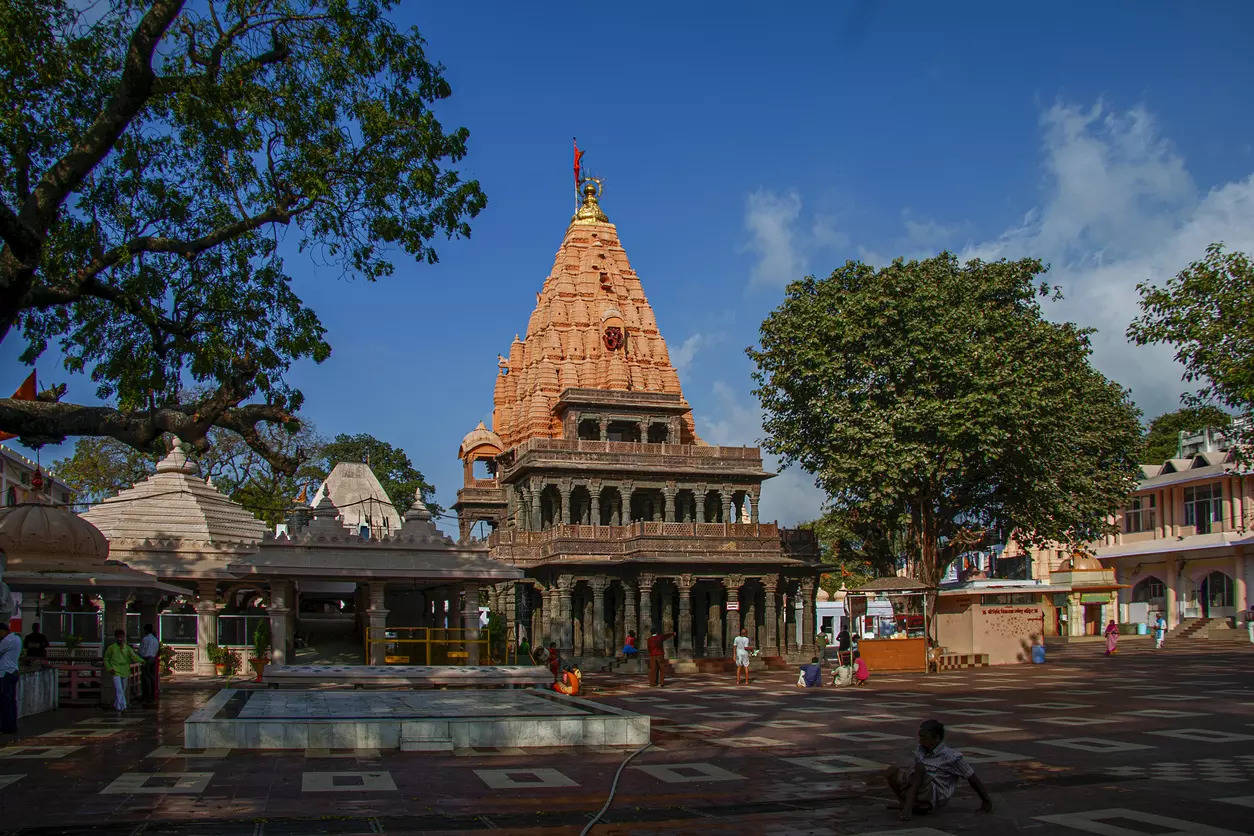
x=860, y=672
x=629, y=646
x=929, y=783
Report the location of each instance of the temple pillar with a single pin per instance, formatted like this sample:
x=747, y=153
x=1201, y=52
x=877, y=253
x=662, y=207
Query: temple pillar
x=377, y=621
x=566, y=627
x=807, y=618
x=700, y=493
x=752, y=499
x=790, y=622
x=147, y=613
x=1240, y=599
x=114, y=619
x=630, y=621
x=604, y=427
x=771, y=640
x=684, y=582
x=599, y=628
x=563, y=491
x=725, y=496
x=714, y=623
x=470, y=622
x=278, y=610
x=646, y=607
x=1172, y=580
x=206, y=624
x=732, y=584
x=668, y=503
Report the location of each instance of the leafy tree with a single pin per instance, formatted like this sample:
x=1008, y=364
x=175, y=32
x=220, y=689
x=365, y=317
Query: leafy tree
x=100, y=467
x=858, y=548
x=1162, y=436
x=1206, y=313
x=396, y=473
x=153, y=154
x=932, y=398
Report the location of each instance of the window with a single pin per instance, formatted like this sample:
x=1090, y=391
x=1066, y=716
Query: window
x=1150, y=589
x=1203, y=505
x=1139, y=516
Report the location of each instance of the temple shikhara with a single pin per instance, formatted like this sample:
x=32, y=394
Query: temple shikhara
x=595, y=482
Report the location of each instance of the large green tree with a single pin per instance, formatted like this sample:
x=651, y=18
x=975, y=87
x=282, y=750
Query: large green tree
x=1206, y=313
x=857, y=547
x=932, y=397
x=1162, y=436
x=396, y=473
x=154, y=153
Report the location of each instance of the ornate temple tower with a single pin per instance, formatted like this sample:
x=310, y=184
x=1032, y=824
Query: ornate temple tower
x=597, y=485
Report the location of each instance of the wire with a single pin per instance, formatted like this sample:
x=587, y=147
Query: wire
x=613, y=789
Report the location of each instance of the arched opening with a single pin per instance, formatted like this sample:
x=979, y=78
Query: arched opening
x=589, y=429
x=581, y=506
x=713, y=507
x=658, y=433
x=685, y=506
x=623, y=431
x=1216, y=594
x=610, y=507
x=483, y=469
x=1150, y=590
x=647, y=505
x=740, y=507
x=550, y=506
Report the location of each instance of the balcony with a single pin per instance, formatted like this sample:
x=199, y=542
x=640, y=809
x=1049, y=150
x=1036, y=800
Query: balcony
x=631, y=457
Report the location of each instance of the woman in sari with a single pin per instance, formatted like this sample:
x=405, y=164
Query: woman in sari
x=1112, y=638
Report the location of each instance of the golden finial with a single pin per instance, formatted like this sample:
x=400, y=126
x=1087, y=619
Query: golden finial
x=590, y=212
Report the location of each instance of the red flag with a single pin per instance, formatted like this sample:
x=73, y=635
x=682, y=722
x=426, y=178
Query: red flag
x=578, y=163
x=25, y=392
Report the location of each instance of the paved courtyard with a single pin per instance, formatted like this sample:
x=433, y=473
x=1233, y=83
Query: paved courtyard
x=1144, y=743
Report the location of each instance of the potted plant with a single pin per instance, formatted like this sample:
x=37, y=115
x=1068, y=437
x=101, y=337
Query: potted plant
x=261, y=647
x=230, y=662
x=217, y=655
x=71, y=644
x=165, y=660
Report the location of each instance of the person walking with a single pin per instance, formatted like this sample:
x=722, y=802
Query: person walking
x=118, y=658
x=1112, y=638
x=149, y=649
x=10, y=650
x=657, y=658
x=1160, y=632
x=741, y=653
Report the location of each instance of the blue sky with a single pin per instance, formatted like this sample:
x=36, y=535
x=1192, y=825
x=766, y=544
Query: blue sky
x=745, y=144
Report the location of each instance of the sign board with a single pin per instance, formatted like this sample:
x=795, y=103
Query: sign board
x=1095, y=598
x=733, y=605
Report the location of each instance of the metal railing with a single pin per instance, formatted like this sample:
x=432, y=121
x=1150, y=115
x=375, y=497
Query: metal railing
x=427, y=645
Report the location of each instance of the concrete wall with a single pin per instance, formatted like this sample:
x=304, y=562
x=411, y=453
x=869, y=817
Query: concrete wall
x=1005, y=632
x=37, y=692
x=953, y=625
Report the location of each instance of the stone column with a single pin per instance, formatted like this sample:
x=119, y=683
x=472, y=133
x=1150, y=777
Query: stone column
x=752, y=499
x=563, y=492
x=377, y=619
x=699, y=493
x=470, y=622
x=1171, y=581
x=790, y=627
x=599, y=629
x=646, y=608
x=732, y=584
x=668, y=503
x=278, y=610
x=114, y=619
x=206, y=624
x=1240, y=599
x=630, y=599
x=147, y=613
x=685, y=582
x=566, y=627
x=726, y=497
x=771, y=640
x=604, y=425
x=807, y=619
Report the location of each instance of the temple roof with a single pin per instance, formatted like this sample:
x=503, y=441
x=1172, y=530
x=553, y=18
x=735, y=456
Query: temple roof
x=591, y=290
x=176, y=506
x=360, y=498
x=479, y=437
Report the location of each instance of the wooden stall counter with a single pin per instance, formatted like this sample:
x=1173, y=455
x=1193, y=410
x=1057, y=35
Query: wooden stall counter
x=894, y=655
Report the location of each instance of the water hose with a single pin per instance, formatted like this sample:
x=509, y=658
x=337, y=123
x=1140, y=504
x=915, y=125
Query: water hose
x=613, y=789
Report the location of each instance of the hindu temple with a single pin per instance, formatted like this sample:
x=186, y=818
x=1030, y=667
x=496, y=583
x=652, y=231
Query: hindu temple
x=595, y=482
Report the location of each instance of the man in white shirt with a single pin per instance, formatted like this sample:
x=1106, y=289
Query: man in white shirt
x=149, y=649
x=742, y=655
x=10, y=650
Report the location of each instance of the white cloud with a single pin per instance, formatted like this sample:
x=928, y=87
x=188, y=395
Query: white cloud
x=681, y=358
x=769, y=219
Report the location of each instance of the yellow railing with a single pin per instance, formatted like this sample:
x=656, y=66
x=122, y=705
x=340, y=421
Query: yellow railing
x=427, y=645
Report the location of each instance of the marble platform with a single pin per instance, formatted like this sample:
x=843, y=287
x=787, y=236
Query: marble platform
x=412, y=676
x=408, y=720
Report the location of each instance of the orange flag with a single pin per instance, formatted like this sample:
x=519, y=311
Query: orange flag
x=25, y=392
x=578, y=162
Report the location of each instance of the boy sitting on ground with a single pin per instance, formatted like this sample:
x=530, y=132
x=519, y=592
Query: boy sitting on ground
x=930, y=782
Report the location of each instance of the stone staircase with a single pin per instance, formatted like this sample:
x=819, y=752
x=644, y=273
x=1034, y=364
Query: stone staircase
x=1190, y=628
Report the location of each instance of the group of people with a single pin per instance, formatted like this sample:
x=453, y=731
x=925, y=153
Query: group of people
x=1112, y=635
x=118, y=656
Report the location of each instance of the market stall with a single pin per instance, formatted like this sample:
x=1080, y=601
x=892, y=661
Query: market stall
x=891, y=618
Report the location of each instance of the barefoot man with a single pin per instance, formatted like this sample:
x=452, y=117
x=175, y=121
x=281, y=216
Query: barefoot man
x=928, y=785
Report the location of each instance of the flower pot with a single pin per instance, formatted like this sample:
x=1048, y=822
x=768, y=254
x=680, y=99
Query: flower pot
x=219, y=668
x=259, y=665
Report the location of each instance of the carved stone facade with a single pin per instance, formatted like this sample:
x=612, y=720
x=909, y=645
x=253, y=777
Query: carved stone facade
x=600, y=489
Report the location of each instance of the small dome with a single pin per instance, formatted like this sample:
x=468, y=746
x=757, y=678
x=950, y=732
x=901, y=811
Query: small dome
x=1079, y=562
x=479, y=437
x=822, y=595
x=50, y=533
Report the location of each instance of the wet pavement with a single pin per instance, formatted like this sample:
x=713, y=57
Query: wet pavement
x=1146, y=742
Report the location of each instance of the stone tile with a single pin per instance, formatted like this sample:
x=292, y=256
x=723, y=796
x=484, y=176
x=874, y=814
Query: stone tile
x=1067, y=720
x=40, y=752
x=836, y=764
x=1170, y=697
x=882, y=718
x=315, y=752
x=1103, y=822
x=689, y=728
x=1056, y=706
x=6, y=780
x=683, y=773
x=110, y=721
x=504, y=779
x=978, y=754
x=87, y=733
x=1165, y=712
x=968, y=700
x=1204, y=735
x=690, y=706
x=867, y=736
x=979, y=728
x=789, y=724
x=1096, y=745
x=159, y=783
x=979, y=712
x=1240, y=800
x=906, y=831
x=347, y=782
x=179, y=752
x=748, y=742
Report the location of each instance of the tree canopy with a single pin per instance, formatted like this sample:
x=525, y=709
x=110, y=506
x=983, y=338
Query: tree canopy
x=154, y=155
x=856, y=548
x=396, y=473
x=1162, y=436
x=1205, y=311
x=933, y=398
